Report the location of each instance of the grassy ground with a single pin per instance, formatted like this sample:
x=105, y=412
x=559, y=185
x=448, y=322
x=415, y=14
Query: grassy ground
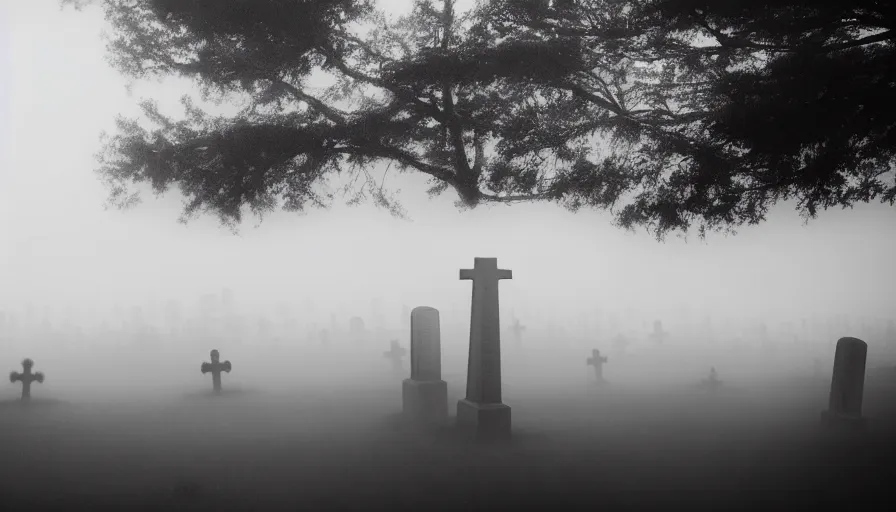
x=614, y=449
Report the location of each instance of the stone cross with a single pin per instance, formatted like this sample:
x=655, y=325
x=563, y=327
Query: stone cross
x=518, y=331
x=216, y=367
x=425, y=394
x=658, y=335
x=597, y=361
x=712, y=383
x=847, y=384
x=482, y=411
x=395, y=353
x=26, y=378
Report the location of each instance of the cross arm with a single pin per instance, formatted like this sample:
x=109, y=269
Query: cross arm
x=39, y=377
x=14, y=376
x=226, y=366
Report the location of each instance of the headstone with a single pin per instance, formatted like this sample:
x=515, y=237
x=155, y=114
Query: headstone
x=215, y=368
x=712, y=383
x=395, y=354
x=425, y=395
x=482, y=413
x=597, y=361
x=658, y=335
x=356, y=328
x=847, y=384
x=26, y=378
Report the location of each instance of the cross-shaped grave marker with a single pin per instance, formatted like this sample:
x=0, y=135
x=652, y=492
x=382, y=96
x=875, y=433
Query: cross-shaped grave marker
x=216, y=367
x=482, y=410
x=597, y=361
x=26, y=378
x=395, y=354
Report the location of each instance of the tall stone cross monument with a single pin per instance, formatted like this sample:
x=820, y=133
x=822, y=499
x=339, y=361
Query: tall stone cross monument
x=482, y=412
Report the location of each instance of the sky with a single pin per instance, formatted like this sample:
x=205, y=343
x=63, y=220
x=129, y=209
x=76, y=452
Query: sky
x=58, y=246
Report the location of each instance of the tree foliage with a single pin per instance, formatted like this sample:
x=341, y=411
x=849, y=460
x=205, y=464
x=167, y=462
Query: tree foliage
x=674, y=114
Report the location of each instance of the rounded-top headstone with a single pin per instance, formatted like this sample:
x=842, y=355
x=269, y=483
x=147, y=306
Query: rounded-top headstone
x=426, y=344
x=848, y=379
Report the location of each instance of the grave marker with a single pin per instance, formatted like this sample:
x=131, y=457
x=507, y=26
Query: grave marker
x=712, y=383
x=597, y=361
x=658, y=335
x=482, y=413
x=847, y=384
x=26, y=378
x=425, y=395
x=395, y=354
x=215, y=368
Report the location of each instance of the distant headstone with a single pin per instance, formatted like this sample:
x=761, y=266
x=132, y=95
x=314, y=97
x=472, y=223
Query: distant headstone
x=597, y=361
x=215, y=368
x=482, y=413
x=395, y=354
x=425, y=395
x=26, y=378
x=658, y=335
x=356, y=328
x=847, y=384
x=712, y=383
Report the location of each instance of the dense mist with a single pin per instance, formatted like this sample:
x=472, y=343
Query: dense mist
x=119, y=309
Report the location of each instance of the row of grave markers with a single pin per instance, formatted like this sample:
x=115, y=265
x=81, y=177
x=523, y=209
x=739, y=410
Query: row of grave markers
x=482, y=411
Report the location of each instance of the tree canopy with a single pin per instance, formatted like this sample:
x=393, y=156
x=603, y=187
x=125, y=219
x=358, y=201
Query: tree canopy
x=673, y=114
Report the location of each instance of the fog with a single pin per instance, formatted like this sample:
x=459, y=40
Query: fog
x=124, y=306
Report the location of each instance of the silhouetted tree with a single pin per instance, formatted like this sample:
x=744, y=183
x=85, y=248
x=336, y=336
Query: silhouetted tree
x=670, y=112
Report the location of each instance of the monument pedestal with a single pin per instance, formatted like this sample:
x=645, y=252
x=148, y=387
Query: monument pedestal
x=843, y=422
x=425, y=402
x=487, y=422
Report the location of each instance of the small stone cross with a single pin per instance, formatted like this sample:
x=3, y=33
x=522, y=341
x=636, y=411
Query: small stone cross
x=216, y=367
x=26, y=378
x=395, y=354
x=597, y=361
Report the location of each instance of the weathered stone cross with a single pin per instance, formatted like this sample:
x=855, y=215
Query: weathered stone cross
x=216, y=367
x=597, y=361
x=482, y=410
x=395, y=354
x=26, y=378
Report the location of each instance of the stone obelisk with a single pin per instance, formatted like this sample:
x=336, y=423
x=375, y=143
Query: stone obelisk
x=482, y=413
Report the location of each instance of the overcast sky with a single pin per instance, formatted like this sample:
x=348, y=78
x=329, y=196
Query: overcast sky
x=58, y=246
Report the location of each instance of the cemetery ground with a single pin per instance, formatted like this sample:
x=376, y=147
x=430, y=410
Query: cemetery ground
x=322, y=431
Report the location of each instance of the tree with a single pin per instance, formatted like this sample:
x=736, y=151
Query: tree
x=664, y=111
